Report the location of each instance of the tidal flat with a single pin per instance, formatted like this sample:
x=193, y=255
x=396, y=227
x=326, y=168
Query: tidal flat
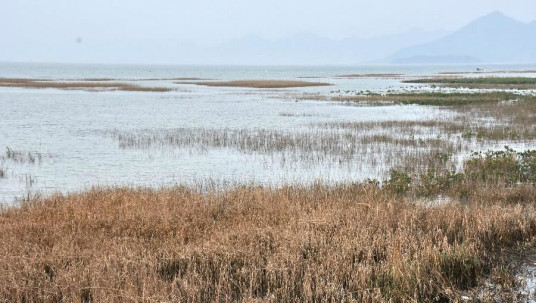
x=367, y=190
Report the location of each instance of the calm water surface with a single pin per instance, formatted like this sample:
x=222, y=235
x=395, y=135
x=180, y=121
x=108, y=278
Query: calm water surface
x=70, y=129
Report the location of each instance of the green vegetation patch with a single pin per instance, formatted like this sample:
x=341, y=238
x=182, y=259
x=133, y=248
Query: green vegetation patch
x=439, y=98
x=482, y=82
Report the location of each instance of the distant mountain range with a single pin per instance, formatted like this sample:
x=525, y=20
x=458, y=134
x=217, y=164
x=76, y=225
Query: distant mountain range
x=494, y=38
x=310, y=49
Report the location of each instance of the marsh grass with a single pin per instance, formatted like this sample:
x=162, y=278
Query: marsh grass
x=348, y=243
x=23, y=156
x=318, y=145
x=361, y=242
x=100, y=85
x=259, y=83
x=372, y=147
x=481, y=82
x=435, y=98
x=503, y=175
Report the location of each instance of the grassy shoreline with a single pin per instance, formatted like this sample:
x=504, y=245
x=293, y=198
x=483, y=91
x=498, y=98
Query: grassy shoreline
x=427, y=98
x=349, y=243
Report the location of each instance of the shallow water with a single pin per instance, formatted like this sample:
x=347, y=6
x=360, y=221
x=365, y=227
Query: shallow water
x=70, y=129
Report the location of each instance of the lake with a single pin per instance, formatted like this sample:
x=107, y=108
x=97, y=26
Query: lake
x=71, y=140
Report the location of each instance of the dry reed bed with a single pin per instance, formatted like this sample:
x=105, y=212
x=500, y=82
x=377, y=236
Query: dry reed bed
x=80, y=85
x=259, y=83
x=353, y=243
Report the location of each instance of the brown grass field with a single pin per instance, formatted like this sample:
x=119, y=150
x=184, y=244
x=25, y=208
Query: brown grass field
x=101, y=85
x=260, y=83
x=347, y=243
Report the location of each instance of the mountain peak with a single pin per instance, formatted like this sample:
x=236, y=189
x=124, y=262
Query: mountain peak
x=495, y=21
x=493, y=38
x=495, y=17
x=496, y=14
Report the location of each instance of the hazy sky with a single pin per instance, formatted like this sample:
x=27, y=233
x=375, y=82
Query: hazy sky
x=216, y=20
x=27, y=23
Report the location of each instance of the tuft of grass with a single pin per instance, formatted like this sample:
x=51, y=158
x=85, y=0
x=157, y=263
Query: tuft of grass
x=260, y=83
x=22, y=157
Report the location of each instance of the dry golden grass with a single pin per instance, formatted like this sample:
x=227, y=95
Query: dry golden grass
x=84, y=85
x=260, y=83
x=354, y=243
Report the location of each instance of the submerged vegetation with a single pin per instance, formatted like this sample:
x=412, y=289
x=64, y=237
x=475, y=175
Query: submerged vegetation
x=350, y=243
x=22, y=156
x=370, y=148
